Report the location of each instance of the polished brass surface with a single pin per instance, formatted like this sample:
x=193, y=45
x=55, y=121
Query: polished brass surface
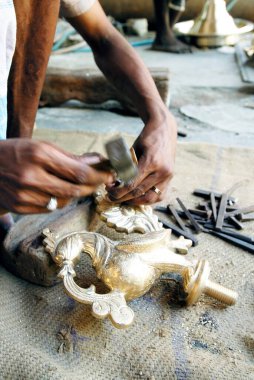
x=129, y=267
x=199, y=283
x=214, y=26
x=127, y=219
x=214, y=20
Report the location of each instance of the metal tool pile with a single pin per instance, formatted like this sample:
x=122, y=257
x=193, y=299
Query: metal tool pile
x=217, y=214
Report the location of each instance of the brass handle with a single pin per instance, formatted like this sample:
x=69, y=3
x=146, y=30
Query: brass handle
x=112, y=304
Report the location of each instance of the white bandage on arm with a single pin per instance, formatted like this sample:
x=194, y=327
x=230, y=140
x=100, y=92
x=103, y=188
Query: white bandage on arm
x=73, y=8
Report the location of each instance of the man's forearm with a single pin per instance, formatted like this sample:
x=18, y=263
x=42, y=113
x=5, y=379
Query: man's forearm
x=155, y=146
x=36, y=22
x=120, y=63
x=126, y=71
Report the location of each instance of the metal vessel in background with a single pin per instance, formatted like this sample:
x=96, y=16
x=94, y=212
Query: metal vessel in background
x=214, y=27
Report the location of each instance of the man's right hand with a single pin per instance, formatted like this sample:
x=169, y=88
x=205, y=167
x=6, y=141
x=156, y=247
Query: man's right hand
x=31, y=172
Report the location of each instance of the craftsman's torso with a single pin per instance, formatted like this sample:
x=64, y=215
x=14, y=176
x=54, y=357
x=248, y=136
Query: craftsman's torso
x=69, y=8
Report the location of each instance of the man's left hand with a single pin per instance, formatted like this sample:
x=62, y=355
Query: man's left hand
x=155, y=150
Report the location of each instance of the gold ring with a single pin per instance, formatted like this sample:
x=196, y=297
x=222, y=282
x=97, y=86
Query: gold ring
x=156, y=190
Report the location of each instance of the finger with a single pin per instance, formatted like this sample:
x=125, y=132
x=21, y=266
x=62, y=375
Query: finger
x=62, y=189
x=29, y=198
x=28, y=210
x=41, y=181
x=150, y=196
x=116, y=193
x=86, y=175
x=91, y=158
x=140, y=190
x=72, y=168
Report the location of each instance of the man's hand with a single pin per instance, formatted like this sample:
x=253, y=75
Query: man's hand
x=31, y=172
x=155, y=149
x=120, y=63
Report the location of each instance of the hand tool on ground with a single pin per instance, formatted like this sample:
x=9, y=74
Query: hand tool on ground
x=247, y=217
x=238, y=242
x=216, y=216
x=206, y=194
x=178, y=231
x=178, y=219
x=189, y=216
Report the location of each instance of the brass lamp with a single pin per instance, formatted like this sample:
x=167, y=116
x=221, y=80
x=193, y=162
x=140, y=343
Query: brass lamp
x=129, y=267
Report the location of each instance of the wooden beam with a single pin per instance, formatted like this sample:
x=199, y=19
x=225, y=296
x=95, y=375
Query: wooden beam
x=90, y=86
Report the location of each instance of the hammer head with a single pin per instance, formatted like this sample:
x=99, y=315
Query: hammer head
x=121, y=159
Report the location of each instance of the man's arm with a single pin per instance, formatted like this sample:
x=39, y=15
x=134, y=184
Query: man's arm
x=155, y=147
x=32, y=172
x=36, y=23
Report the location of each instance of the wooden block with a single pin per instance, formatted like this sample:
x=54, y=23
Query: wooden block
x=24, y=253
x=90, y=86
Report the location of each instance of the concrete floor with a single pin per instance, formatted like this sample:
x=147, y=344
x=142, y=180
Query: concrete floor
x=208, y=99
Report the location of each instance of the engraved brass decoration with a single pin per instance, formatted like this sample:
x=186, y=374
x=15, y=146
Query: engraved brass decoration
x=127, y=219
x=129, y=267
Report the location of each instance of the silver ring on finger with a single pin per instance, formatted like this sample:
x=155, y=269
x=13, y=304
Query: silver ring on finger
x=156, y=190
x=52, y=205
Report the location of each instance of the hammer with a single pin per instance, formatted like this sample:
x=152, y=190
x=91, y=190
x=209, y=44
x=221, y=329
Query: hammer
x=121, y=159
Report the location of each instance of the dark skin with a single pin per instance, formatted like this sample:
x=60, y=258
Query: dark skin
x=155, y=147
x=33, y=171
x=45, y=170
x=165, y=39
x=36, y=23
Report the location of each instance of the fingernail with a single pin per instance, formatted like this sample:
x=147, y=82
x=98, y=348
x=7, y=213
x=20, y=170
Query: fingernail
x=117, y=183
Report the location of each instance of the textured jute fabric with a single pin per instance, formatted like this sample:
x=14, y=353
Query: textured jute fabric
x=46, y=335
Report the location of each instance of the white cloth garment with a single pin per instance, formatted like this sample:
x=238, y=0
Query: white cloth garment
x=73, y=8
x=7, y=47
